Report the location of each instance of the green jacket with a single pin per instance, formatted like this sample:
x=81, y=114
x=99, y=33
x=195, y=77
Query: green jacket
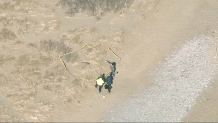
x=101, y=80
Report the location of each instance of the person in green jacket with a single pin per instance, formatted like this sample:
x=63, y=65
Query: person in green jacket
x=100, y=82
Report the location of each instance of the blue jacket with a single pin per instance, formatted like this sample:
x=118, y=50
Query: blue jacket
x=109, y=80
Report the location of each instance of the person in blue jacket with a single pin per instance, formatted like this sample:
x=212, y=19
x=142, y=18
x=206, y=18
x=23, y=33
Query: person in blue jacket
x=109, y=82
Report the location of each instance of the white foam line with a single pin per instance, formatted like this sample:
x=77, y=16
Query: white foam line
x=179, y=80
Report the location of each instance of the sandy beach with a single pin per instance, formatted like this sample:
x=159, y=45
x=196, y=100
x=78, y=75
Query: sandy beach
x=167, y=71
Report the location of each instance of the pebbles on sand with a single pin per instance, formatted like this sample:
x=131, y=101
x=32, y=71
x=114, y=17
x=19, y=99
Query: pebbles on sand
x=179, y=80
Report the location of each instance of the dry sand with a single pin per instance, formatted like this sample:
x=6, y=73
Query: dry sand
x=34, y=85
